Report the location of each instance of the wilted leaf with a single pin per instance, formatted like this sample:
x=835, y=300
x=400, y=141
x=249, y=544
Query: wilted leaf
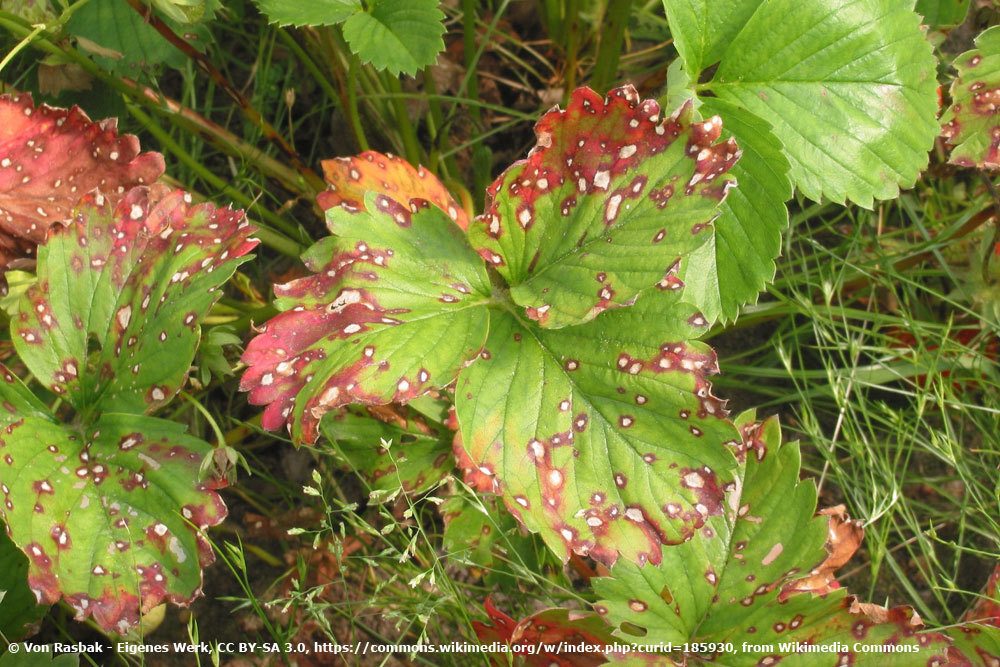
x=114, y=319
x=350, y=178
x=396, y=307
x=49, y=159
x=729, y=582
x=543, y=632
x=605, y=204
x=399, y=36
x=849, y=88
x=972, y=122
x=606, y=437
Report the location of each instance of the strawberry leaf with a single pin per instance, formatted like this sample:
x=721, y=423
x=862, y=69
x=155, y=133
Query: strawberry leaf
x=92, y=509
x=538, y=637
x=972, y=122
x=849, y=88
x=610, y=198
x=350, y=178
x=399, y=36
x=737, y=264
x=396, y=307
x=607, y=437
x=417, y=458
x=49, y=159
x=943, y=13
x=317, y=12
x=114, y=319
x=734, y=580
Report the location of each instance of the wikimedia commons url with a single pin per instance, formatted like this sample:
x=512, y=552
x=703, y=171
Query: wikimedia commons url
x=123, y=648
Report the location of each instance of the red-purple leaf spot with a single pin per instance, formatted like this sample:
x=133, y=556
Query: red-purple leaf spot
x=395, y=307
x=51, y=157
x=971, y=125
x=351, y=178
x=135, y=277
x=609, y=199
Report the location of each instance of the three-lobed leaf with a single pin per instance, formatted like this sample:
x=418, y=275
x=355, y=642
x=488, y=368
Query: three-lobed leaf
x=971, y=125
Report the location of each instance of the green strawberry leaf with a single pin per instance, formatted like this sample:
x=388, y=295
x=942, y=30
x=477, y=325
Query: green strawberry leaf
x=943, y=13
x=737, y=264
x=111, y=519
x=849, y=87
x=607, y=202
x=739, y=580
x=314, y=12
x=418, y=455
x=114, y=319
x=19, y=610
x=399, y=36
x=971, y=124
x=606, y=437
x=395, y=308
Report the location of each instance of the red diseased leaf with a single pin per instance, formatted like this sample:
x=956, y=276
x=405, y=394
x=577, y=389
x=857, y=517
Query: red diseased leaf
x=351, y=178
x=605, y=204
x=606, y=438
x=112, y=518
x=537, y=638
x=972, y=123
x=977, y=638
x=132, y=280
x=49, y=158
x=395, y=308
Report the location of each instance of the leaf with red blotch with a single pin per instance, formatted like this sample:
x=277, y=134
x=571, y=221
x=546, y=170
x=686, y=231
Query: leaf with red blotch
x=111, y=516
x=113, y=321
x=971, y=125
x=351, y=178
x=49, y=159
x=606, y=438
x=604, y=205
x=731, y=582
x=395, y=308
x=543, y=632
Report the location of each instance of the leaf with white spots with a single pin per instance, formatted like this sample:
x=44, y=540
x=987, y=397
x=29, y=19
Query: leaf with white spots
x=113, y=320
x=604, y=205
x=606, y=438
x=734, y=580
x=417, y=458
x=971, y=124
x=737, y=264
x=395, y=307
x=112, y=518
x=351, y=178
x=49, y=159
x=849, y=87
